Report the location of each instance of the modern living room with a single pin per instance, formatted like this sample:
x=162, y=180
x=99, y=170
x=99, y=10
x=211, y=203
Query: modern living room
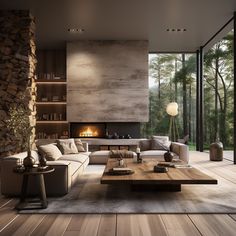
x=117, y=117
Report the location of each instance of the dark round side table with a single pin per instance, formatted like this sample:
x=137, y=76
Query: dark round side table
x=39, y=174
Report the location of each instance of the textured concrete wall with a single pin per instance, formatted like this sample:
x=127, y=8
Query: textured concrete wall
x=107, y=81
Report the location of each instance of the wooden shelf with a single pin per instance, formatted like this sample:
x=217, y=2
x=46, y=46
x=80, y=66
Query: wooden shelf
x=51, y=81
x=51, y=103
x=52, y=122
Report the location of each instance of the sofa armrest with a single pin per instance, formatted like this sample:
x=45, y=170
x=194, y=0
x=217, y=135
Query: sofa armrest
x=86, y=147
x=181, y=150
x=56, y=183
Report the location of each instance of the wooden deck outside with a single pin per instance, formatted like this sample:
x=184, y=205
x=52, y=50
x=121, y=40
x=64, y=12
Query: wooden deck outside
x=12, y=223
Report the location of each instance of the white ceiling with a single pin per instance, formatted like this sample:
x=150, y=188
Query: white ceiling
x=129, y=20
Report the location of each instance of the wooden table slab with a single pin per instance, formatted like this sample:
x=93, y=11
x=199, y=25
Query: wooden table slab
x=144, y=175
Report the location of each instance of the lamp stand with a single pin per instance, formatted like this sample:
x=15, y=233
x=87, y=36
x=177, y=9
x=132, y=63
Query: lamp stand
x=173, y=129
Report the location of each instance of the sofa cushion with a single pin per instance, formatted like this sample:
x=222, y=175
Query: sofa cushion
x=50, y=151
x=79, y=145
x=159, y=144
x=74, y=166
x=67, y=146
x=99, y=157
x=162, y=138
x=159, y=154
x=79, y=157
x=145, y=145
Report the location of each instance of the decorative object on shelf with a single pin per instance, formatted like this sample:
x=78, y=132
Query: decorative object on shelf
x=115, y=136
x=168, y=156
x=127, y=136
x=64, y=98
x=216, y=151
x=44, y=99
x=55, y=98
x=22, y=125
x=172, y=110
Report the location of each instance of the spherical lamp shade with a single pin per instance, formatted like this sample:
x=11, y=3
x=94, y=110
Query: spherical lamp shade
x=172, y=109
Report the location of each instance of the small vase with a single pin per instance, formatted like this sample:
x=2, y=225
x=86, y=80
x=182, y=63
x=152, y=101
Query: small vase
x=168, y=156
x=28, y=161
x=42, y=161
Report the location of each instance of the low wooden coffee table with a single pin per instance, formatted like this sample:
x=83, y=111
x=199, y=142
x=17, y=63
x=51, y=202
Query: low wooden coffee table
x=145, y=178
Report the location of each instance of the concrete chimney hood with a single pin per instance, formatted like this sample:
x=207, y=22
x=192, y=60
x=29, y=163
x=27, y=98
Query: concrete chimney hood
x=107, y=81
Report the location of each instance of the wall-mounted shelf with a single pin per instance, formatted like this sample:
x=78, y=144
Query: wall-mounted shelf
x=53, y=81
x=51, y=103
x=52, y=122
x=51, y=94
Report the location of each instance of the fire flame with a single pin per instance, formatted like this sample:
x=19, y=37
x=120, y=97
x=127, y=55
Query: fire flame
x=88, y=132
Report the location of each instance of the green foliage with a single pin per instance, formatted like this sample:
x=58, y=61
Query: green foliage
x=175, y=80
x=19, y=123
x=165, y=69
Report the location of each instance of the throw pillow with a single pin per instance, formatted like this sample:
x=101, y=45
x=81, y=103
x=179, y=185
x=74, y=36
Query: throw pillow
x=50, y=152
x=162, y=138
x=145, y=145
x=67, y=146
x=158, y=144
x=79, y=145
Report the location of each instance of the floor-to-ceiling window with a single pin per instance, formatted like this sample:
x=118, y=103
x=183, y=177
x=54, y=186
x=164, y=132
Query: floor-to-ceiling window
x=218, y=93
x=172, y=78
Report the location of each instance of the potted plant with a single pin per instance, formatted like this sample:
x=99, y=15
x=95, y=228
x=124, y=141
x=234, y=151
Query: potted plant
x=19, y=123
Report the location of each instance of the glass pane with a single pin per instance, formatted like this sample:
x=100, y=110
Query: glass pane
x=218, y=92
x=172, y=78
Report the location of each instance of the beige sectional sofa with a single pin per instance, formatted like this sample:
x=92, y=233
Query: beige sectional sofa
x=180, y=151
x=67, y=169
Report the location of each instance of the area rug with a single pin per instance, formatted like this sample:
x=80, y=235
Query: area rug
x=89, y=196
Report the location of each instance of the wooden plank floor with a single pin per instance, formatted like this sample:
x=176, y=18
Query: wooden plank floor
x=12, y=223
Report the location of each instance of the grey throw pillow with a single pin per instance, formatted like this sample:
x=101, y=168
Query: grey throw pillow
x=145, y=145
x=67, y=146
x=158, y=144
x=79, y=145
x=162, y=138
x=50, y=152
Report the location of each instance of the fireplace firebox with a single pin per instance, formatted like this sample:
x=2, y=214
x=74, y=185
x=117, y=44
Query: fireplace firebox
x=88, y=130
x=105, y=130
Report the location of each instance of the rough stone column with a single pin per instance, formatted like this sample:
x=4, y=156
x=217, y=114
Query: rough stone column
x=17, y=69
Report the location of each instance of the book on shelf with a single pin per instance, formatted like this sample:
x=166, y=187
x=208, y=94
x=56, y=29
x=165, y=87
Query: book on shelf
x=55, y=98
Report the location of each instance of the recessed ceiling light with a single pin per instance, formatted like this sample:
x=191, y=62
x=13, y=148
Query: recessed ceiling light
x=76, y=30
x=176, y=30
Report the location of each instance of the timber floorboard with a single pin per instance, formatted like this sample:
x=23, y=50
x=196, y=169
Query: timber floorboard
x=12, y=223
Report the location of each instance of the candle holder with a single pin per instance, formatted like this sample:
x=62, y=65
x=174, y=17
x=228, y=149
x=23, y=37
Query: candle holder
x=139, y=158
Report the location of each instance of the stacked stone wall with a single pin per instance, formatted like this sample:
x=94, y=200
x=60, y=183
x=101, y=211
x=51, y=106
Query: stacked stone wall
x=17, y=70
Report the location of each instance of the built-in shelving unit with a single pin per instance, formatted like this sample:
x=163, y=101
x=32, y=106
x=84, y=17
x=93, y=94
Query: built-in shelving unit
x=51, y=95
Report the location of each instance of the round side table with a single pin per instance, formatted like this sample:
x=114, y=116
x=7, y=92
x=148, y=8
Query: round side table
x=39, y=174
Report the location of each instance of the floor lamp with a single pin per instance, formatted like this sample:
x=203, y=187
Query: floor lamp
x=172, y=111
